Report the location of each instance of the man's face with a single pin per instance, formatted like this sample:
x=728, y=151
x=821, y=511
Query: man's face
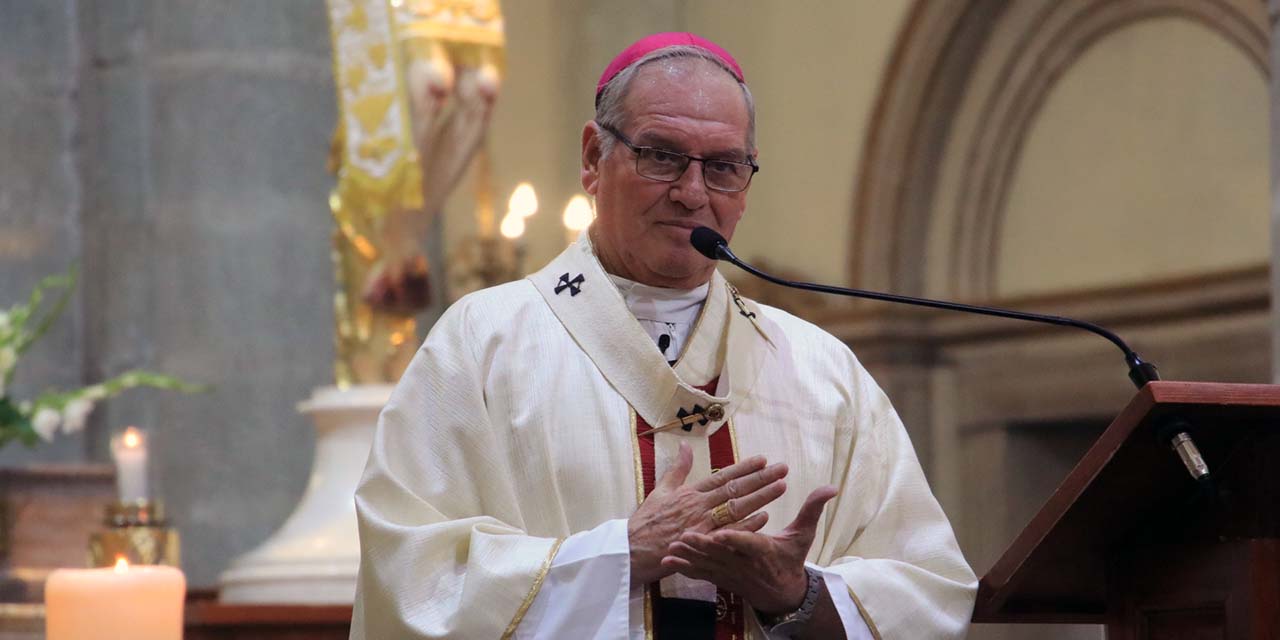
x=642, y=226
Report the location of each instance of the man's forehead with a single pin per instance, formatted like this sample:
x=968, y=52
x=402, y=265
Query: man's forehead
x=691, y=70
x=681, y=102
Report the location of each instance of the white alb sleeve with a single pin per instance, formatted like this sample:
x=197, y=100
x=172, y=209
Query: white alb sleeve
x=586, y=592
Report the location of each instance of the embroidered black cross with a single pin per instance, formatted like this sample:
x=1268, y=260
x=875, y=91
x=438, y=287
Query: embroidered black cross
x=742, y=307
x=697, y=408
x=574, y=286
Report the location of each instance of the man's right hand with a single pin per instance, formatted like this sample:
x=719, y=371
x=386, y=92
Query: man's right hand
x=673, y=508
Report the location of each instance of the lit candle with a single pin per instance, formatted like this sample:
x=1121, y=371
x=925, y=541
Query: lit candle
x=140, y=603
x=523, y=201
x=577, y=216
x=522, y=204
x=130, y=452
x=512, y=226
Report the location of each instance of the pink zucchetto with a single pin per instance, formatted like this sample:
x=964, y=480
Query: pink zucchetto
x=649, y=44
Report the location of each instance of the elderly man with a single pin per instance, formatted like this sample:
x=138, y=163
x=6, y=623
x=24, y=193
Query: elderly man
x=621, y=446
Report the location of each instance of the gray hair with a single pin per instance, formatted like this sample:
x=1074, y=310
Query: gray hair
x=611, y=112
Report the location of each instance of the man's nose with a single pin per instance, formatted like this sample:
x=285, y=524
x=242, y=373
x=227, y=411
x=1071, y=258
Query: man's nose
x=690, y=190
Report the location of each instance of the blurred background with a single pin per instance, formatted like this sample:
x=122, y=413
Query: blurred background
x=1105, y=159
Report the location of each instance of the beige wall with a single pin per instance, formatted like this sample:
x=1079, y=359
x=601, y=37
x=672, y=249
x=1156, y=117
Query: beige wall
x=1149, y=160
x=1145, y=162
x=814, y=68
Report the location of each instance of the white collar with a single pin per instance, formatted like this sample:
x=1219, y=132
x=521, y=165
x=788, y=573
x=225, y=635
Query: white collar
x=660, y=304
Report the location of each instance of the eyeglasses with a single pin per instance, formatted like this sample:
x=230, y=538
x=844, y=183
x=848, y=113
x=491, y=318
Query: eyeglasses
x=667, y=166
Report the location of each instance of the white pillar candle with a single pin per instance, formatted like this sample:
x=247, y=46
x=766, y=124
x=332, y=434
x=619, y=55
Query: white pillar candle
x=130, y=452
x=141, y=602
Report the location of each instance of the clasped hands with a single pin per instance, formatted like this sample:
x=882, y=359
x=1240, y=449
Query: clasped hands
x=677, y=530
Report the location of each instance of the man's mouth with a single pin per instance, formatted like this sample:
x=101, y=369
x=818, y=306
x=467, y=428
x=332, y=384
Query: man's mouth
x=683, y=224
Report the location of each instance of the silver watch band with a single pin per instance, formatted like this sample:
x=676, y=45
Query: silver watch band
x=791, y=622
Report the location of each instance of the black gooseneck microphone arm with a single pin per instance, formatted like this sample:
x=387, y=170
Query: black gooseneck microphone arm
x=713, y=245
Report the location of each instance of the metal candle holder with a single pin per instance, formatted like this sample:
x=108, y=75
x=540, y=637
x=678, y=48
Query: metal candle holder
x=137, y=532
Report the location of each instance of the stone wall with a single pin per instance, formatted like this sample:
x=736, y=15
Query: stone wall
x=41, y=195
x=177, y=151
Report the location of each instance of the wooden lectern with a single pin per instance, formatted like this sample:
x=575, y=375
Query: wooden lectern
x=1129, y=540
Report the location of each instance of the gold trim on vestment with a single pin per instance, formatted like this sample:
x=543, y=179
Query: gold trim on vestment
x=635, y=450
x=533, y=591
x=733, y=440
x=737, y=457
x=875, y=633
x=648, y=615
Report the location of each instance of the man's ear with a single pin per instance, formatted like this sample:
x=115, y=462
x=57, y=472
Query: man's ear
x=591, y=156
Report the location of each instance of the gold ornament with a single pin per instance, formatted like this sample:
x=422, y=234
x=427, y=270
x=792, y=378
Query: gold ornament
x=416, y=82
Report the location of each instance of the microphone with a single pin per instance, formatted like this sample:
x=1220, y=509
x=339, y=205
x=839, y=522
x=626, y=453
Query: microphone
x=713, y=245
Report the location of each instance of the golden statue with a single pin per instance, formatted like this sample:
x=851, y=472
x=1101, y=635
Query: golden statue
x=416, y=82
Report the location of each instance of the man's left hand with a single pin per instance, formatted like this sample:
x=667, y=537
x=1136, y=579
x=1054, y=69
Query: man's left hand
x=767, y=571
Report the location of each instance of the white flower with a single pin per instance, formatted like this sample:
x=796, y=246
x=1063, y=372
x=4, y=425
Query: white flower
x=46, y=422
x=74, y=415
x=6, y=325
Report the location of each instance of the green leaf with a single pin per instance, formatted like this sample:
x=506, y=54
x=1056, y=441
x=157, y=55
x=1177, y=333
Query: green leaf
x=140, y=378
x=66, y=282
x=113, y=387
x=15, y=424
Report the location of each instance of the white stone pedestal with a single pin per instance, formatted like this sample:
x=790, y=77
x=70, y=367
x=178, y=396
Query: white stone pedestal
x=314, y=556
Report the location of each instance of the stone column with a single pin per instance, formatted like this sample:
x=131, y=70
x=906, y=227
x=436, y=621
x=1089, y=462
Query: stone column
x=206, y=238
x=40, y=194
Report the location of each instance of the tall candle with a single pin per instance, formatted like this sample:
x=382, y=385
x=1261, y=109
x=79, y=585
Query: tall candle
x=135, y=602
x=130, y=452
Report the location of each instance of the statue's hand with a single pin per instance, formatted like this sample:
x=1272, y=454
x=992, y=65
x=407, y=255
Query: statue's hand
x=401, y=286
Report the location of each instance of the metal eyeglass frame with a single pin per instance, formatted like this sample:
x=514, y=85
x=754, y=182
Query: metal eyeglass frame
x=688, y=159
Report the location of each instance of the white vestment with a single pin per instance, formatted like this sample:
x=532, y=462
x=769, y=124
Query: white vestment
x=514, y=428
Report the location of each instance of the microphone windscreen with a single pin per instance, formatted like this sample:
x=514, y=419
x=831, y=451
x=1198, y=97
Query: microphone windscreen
x=706, y=241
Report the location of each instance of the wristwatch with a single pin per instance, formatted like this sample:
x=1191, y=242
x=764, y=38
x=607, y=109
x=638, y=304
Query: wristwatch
x=788, y=623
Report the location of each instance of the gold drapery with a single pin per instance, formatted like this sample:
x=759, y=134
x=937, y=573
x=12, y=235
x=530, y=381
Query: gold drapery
x=410, y=116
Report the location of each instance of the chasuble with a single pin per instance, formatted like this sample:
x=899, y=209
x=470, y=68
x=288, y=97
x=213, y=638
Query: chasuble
x=513, y=449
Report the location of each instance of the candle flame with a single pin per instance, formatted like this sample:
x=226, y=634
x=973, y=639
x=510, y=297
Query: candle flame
x=132, y=438
x=512, y=226
x=122, y=565
x=578, y=213
x=523, y=202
